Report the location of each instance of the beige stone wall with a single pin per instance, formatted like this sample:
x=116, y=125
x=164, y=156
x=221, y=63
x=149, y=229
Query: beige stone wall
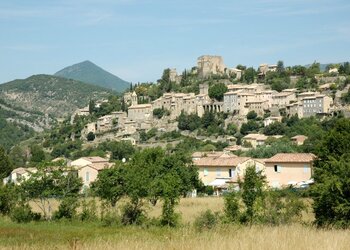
x=287, y=172
x=208, y=174
x=88, y=175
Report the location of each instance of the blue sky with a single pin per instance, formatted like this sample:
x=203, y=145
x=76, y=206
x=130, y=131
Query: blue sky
x=137, y=39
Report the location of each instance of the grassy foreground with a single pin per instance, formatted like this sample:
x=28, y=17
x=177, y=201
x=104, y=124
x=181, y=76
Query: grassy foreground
x=78, y=235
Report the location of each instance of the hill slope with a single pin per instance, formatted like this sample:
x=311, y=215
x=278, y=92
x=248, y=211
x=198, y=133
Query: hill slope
x=53, y=95
x=90, y=73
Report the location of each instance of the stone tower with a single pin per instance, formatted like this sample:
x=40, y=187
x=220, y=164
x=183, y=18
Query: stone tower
x=134, y=99
x=208, y=65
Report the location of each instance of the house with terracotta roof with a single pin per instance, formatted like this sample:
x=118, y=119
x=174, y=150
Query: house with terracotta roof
x=299, y=139
x=257, y=139
x=89, y=167
x=286, y=169
x=220, y=168
x=19, y=174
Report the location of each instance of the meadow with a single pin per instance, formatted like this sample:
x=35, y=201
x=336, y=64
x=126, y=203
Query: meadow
x=93, y=235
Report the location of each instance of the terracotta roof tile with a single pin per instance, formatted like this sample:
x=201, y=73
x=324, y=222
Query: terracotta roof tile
x=220, y=161
x=291, y=157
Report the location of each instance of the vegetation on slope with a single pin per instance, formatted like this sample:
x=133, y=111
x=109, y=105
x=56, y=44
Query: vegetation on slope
x=51, y=94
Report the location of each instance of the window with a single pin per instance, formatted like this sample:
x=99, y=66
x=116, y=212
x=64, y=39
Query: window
x=205, y=172
x=231, y=172
x=218, y=172
x=278, y=169
x=306, y=168
x=87, y=176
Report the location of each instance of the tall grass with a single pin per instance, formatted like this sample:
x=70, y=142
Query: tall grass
x=92, y=235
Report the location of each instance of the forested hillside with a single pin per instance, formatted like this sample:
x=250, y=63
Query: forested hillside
x=53, y=95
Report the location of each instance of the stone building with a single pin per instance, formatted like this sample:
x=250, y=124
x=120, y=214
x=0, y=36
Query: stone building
x=210, y=65
x=174, y=77
x=316, y=105
x=282, y=99
x=264, y=68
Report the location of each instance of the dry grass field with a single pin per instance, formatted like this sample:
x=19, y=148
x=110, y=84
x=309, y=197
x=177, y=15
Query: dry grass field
x=78, y=235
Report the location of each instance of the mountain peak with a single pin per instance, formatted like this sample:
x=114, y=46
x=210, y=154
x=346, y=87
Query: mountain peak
x=87, y=71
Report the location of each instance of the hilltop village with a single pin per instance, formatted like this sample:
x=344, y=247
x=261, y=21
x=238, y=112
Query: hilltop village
x=225, y=118
x=238, y=99
x=210, y=131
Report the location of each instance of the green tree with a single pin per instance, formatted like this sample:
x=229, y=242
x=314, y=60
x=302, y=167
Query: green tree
x=5, y=164
x=110, y=184
x=249, y=75
x=188, y=122
x=217, y=91
x=276, y=128
x=252, y=115
x=231, y=208
x=332, y=175
x=18, y=156
x=49, y=182
x=231, y=129
x=248, y=127
x=280, y=67
x=38, y=154
x=122, y=149
x=252, y=187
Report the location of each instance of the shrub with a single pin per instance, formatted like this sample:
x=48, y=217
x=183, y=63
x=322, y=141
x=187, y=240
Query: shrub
x=279, y=210
x=67, y=209
x=169, y=217
x=23, y=214
x=231, y=209
x=7, y=200
x=110, y=218
x=88, y=212
x=132, y=214
x=90, y=136
x=206, y=220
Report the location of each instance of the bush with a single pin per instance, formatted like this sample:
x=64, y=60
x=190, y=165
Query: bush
x=7, y=199
x=252, y=115
x=67, y=209
x=132, y=214
x=110, y=218
x=231, y=209
x=278, y=210
x=23, y=214
x=90, y=136
x=88, y=212
x=169, y=217
x=206, y=220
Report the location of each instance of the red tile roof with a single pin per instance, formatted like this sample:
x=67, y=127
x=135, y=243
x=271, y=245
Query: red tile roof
x=291, y=157
x=221, y=161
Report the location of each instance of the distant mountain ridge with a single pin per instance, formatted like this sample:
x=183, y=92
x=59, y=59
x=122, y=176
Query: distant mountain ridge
x=90, y=73
x=52, y=95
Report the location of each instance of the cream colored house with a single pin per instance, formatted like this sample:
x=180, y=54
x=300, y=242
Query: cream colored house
x=19, y=174
x=286, y=169
x=88, y=168
x=271, y=119
x=89, y=174
x=299, y=139
x=218, y=168
x=256, y=140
